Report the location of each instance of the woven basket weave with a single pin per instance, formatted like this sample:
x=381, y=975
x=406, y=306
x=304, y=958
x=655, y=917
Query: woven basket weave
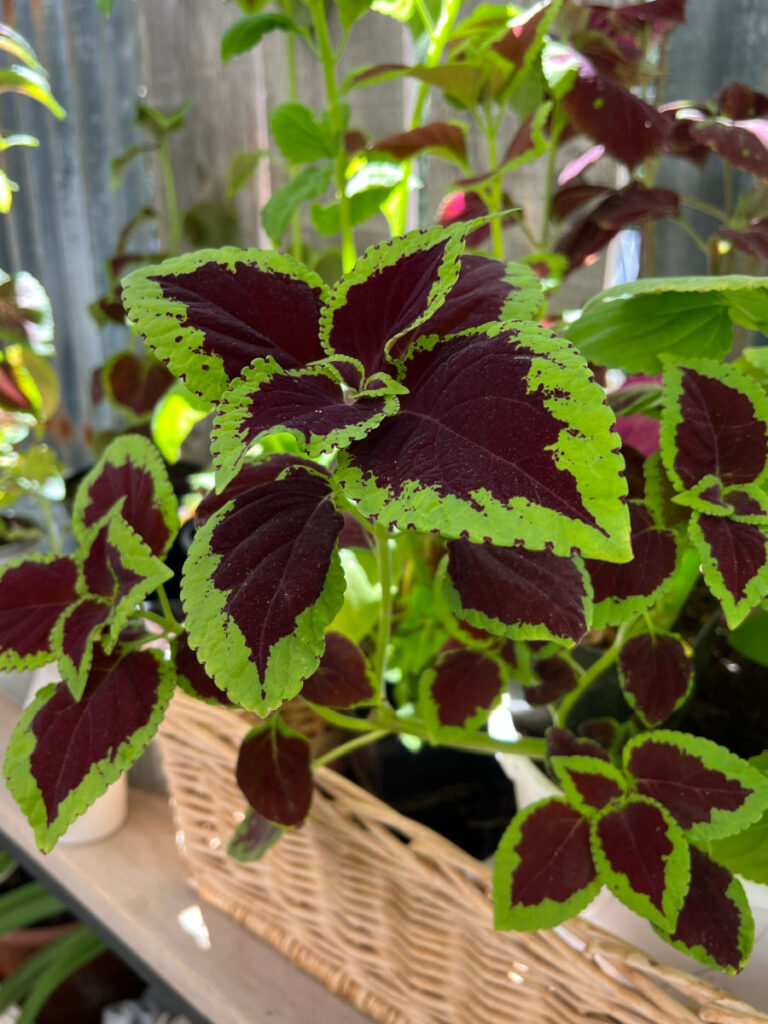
x=397, y=919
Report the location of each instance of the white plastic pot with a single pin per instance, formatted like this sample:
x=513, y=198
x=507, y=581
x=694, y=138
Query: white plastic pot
x=110, y=811
x=607, y=912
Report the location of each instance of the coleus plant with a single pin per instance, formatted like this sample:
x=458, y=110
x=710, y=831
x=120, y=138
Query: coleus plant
x=413, y=435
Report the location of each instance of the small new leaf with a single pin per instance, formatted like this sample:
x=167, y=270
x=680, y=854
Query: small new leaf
x=273, y=772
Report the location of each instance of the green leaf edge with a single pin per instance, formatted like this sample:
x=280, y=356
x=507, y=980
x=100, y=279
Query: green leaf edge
x=630, y=698
x=755, y=590
x=586, y=765
x=9, y=660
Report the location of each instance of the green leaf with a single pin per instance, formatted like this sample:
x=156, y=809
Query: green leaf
x=362, y=206
x=461, y=82
x=751, y=638
x=158, y=123
x=632, y=325
x=33, y=83
x=15, y=44
x=105, y=6
x=350, y=11
x=362, y=597
x=309, y=183
x=173, y=418
x=27, y=905
x=241, y=168
x=299, y=134
x=744, y=853
x=250, y=30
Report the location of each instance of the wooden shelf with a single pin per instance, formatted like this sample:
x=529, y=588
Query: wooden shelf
x=131, y=890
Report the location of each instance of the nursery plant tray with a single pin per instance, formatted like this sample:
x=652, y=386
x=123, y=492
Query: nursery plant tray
x=131, y=889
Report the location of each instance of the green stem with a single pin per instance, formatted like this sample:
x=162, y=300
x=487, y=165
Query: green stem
x=697, y=240
x=293, y=96
x=169, y=620
x=171, y=202
x=549, y=182
x=346, y=748
x=686, y=577
x=594, y=671
x=348, y=722
x=50, y=525
x=704, y=207
x=385, y=616
x=495, y=195
x=328, y=60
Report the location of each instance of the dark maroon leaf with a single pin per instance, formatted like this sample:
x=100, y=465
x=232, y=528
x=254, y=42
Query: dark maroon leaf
x=522, y=142
x=740, y=102
x=571, y=197
x=604, y=731
x=656, y=675
x=630, y=129
x=634, y=461
x=592, y=783
x=462, y=206
x=719, y=433
x=743, y=504
x=273, y=771
x=463, y=683
x=137, y=383
x=79, y=629
x=192, y=677
x=518, y=587
x=435, y=135
x=247, y=312
x=385, y=303
x=711, y=918
x=12, y=398
x=515, y=44
x=654, y=560
x=743, y=144
x=354, y=534
x=478, y=297
x=119, y=701
x=342, y=679
x=737, y=550
x=681, y=140
x=250, y=475
x=555, y=857
x=752, y=240
x=562, y=743
x=556, y=678
x=680, y=780
x=635, y=17
x=33, y=595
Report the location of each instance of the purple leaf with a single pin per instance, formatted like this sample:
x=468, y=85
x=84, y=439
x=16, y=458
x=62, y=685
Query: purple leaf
x=656, y=675
x=253, y=473
x=137, y=384
x=589, y=784
x=630, y=129
x=263, y=572
x=435, y=135
x=461, y=206
x=514, y=46
x=571, y=197
x=735, y=562
x=741, y=103
x=556, y=678
x=712, y=427
x=342, y=679
x=682, y=140
x=743, y=144
x=562, y=743
x=33, y=594
x=210, y=314
x=74, y=638
x=643, y=858
x=273, y=771
x=439, y=465
x=636, y=585
x=752, y=240
x=715, y=924
x=131, y=479
x=192, y=677
x=64, y=753
x=708, y=790
x=517, y=593
x=543, y=870
x=635, y=17
x=461, y=689
x=354, y=534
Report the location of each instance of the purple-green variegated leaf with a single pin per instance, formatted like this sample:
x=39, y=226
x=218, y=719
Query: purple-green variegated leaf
x=130, y=480
x=273, y=771
x=262, y=581
x=311, y=404
x=714, y=423
x=503, y=437
x=643, y=857
x=734, y=560
x=743, y=144
x=486, y=291
x=631, y=588
x=601, y=108
x=517, y=593
x=459, y=691
x=715, y=925
x=437, y=136
x=253, y=837
x=562, y=743
x=209, y=314
x=263, y=471
x=527, y=898
x=343, y=678
x=606, y=732
x=135, y=384
x=74, y=638
x=65, y=753
x=752, y=239
x=34, y=593
x=656, y=675
x=192, y=677
x=393, y=287
x=555, y=676
x=589, y=784
x=709, y=791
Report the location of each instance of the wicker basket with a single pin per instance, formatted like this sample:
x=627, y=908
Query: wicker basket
x=397, y=919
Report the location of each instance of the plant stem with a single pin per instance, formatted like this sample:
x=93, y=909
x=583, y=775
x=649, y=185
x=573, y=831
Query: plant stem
x=549, y=183
x=346, y=748
x=293, y=96
x=704, y=207
x=169, y=620
x=495, y=196
x=50, y=525
x=171, y=202
x=348, y=722
x=670, y=606
x=385, y=615
x=699, y=242
x=594, y=671
x=328, y=60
